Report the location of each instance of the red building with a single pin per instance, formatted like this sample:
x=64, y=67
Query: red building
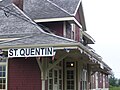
x=44, y=46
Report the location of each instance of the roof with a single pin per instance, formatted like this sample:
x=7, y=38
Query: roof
x=4, y=2
x=52, y=10
x=18, y=29
x=13, y=21
x=41, y=9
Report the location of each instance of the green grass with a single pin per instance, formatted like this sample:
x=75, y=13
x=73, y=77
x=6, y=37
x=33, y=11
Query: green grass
x=114, y=88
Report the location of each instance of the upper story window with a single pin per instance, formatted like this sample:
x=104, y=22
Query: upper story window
x=73, y=31
x=69, y=30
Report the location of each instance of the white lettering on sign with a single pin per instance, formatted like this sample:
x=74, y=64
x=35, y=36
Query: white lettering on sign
x=30, y=52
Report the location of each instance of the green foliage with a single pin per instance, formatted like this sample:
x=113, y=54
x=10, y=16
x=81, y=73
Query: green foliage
x=114, y=88
x=114, y=82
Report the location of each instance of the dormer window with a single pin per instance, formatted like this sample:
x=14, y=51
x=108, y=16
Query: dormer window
x=73, y=31
x=69, y=30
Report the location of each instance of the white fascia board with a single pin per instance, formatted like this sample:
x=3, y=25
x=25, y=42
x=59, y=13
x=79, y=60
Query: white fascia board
x=77, y=8
x=59, y=19
x=88, y=36
x=54, y=19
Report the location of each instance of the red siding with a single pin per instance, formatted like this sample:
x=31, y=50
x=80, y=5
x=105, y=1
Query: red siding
x=100, y=80
x=77, y=16
x=106, y=81
x=23, y=74
x=77, y=33
x=18, y=3
x=55, y=27
x=93, y=81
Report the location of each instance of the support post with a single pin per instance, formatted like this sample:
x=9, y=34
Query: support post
x=43, y=68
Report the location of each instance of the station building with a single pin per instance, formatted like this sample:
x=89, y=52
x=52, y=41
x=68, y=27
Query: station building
x=44, y=46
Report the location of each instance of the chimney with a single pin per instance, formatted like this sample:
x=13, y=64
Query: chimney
x=18, y=3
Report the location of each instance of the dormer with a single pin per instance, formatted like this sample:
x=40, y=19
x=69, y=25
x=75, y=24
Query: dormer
x=56, y=17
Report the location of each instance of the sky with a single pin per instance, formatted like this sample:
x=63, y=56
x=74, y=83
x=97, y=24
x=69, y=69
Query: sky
x=103, y=24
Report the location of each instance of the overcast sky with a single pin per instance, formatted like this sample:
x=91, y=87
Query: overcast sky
x=103, y=24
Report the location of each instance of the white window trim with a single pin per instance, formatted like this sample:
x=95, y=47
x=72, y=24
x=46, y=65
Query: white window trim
x=64, y=29
x=73, y=30
x=6, y=76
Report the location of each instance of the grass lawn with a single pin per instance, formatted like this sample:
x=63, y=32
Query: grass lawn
x=115, y=88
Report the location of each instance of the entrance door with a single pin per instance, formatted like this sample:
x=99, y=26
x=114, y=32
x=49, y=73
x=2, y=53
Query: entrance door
x=70, y=76
x=55, y=79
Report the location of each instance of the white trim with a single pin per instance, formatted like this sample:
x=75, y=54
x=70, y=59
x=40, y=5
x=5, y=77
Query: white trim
x=73, y=30
x=64, y=29
x=43, y=84
x=59, y=7
x=77, y=7
x=54, y=19
x=70, y=68
x=88, y=36
x=59, y=19
x=7, y=73
x=77, y=23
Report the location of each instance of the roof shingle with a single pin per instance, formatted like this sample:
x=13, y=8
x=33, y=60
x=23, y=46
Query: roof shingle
x=41, y=9
x=15, y=24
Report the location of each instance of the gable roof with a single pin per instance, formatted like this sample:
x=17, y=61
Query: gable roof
x=40, y=9
x=68, y=5
x=18, y=29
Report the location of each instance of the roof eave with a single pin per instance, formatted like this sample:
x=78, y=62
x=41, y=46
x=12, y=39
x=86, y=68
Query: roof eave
x=72, y=18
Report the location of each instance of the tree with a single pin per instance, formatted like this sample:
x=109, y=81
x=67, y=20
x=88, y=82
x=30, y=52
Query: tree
x=113, y=81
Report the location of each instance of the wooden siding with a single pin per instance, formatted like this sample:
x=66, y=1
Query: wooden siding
x=55, y=27
x=100, y=80
x=18, y=3
x=93, y=81
x=68, y=30
x=77, y=16
x=106, y=81
x=77, y=33
x=23, y=74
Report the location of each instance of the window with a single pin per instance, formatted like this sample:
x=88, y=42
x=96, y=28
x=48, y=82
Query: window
x=84, y=80
x=3, y=74
x=73, y=31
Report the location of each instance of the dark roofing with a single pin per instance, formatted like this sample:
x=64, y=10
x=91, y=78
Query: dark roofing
x=13, y=21
x=38, y=39
x=4, y=2
x=38, y=9
x=15, y=24
x=68, y=5
x=41, y=9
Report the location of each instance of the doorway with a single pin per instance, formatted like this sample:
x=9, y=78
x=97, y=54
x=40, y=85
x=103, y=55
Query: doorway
x=70, y=75
x=55, y=79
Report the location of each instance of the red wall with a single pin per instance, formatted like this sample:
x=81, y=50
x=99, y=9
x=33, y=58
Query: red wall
x=77, y=16
x=77, y=33
x=106, y=81
x=18, y=3
x=55, y=27
x=23, y=74
x=100, y=80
